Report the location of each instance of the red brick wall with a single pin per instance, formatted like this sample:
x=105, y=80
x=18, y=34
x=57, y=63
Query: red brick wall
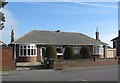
x=7, y=61
x=27, y=59
x=38, y=54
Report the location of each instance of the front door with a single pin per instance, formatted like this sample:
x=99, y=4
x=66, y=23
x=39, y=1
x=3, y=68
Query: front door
x=42, y=51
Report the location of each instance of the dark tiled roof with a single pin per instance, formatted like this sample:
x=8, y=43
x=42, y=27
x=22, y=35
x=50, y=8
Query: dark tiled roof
x=115, y=39
x=2, y=43
x=57, y=38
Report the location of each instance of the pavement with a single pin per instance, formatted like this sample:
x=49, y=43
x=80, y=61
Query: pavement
x=96, y=73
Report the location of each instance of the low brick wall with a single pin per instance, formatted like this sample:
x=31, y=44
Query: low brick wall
x=6, y=58
x=83, y=63
x=31, y=59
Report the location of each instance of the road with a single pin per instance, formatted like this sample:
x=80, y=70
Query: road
x=98, y=73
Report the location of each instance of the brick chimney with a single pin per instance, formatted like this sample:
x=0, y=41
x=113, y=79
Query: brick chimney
x=12, y=36
x=58, y=31
x=97, y=34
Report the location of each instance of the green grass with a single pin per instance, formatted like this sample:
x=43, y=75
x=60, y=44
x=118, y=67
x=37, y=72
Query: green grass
x=5, y=70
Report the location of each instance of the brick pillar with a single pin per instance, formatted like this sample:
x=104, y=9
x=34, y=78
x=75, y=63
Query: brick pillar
x=12, y=47
x=104, y=49
x=38, y=54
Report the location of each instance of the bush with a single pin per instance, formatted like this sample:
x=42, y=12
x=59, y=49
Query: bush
x=85, y=52
x=51, y=52
x=77, y=56
x=68, y=53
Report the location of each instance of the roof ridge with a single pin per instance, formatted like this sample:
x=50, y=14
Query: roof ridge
x=60, y=31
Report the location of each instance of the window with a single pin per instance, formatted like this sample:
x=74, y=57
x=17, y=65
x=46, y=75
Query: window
x=24, y=47
x=28, y=46
x=98, y=50
x=24, y=51
x=59, y=50
x=34, y=51
x=21, y=51
x=31, y=51
x=27, y=50
x=20, y=46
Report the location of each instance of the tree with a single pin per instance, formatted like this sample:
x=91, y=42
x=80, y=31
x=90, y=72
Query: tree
x=85, y=52
x=2, y=17
x=51, y=52
x=69, y=52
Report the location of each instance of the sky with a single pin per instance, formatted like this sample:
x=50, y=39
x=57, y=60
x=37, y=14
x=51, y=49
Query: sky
x=80, y=17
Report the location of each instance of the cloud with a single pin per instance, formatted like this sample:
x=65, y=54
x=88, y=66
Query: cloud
x=99, y=5
x=90, y=4
x=10, y=24
x=63, y=0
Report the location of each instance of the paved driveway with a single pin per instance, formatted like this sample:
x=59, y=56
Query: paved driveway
x=99, y=73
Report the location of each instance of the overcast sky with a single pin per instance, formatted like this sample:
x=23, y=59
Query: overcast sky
x=65, y=16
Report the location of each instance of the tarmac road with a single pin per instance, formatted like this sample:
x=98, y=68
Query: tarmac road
x=98, y=73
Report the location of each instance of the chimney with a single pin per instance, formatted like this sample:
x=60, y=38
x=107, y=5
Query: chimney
x=97, y=34
x=58, y=31
x=12, y=36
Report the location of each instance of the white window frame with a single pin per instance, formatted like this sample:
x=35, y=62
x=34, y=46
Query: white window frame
x=32, y=47
x=98, y=50
x=59, y=47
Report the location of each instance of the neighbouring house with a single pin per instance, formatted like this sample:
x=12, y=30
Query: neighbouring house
x=116, y=43
x=31, y=46
x=2, y=43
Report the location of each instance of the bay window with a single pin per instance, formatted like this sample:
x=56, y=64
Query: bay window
x=98, y=50
x=27, y=50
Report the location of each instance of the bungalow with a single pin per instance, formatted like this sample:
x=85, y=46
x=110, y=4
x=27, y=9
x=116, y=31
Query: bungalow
x=31, y=46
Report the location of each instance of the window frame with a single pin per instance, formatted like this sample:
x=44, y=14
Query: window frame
x=25, y=48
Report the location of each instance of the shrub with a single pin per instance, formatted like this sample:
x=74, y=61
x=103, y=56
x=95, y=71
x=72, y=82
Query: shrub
x=85, y=52
x=77, y=56
x=51, y=52
x=68, y=53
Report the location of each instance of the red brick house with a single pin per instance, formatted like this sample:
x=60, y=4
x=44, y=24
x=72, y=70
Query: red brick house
x=31, y=46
